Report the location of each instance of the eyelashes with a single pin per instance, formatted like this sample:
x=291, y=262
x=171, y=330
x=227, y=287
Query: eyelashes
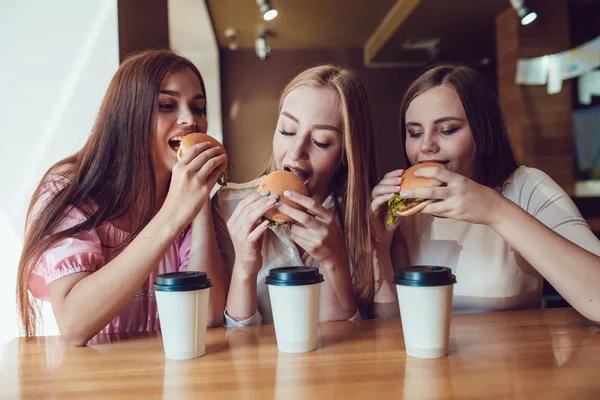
x=316, y=143
x=445, y=132
x=166, y=107
x=449, y=131
x=286, y=133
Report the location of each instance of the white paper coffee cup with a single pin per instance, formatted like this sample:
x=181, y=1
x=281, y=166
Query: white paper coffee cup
x=425, y=299
x=294, y=293
x=182, y=299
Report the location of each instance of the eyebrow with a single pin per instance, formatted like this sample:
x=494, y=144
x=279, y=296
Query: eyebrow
x=177, y=94
x=316, y=126
x=437, y=121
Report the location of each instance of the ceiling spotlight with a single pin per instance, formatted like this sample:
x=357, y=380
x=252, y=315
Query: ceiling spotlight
x=266, y=9
x=231, y=34
x=526, y=16
x=263, y=50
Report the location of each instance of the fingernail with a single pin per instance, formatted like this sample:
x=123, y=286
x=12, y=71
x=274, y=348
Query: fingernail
x=287, y=193
x=278, y=206
x=264, y=193
x=274, y=197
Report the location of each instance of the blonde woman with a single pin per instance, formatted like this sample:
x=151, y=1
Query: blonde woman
x=324, y=134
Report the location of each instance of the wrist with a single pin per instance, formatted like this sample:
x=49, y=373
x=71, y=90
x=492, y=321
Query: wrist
x=206, y=210
x=246, y=270
x=335, y=264
x=169, y=225
x=204, y=218
x=502, y=213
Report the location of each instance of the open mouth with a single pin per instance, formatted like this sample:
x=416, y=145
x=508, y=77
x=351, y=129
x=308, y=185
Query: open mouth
x=300, y=173
x=435, y=161
x=175, y=142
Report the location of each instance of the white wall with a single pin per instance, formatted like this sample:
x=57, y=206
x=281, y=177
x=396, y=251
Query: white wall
x=57, y=60
x=191, y=35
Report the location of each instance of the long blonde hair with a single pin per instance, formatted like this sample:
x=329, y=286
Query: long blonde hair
x=357, y=173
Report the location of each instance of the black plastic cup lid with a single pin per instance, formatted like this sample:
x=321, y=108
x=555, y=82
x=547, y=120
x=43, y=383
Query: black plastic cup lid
x=293, y=276
x=182, y=281
x=425, y=275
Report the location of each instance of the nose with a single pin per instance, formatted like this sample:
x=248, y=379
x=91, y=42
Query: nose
x=429, y=143
x=186, y=116
x=298, y=149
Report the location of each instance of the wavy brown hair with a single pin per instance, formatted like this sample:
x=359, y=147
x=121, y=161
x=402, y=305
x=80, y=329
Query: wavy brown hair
x=357, y=174
x=494, y=159
x=111, y=176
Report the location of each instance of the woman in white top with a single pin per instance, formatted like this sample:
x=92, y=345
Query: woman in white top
x=500, y=227
x=324, y=134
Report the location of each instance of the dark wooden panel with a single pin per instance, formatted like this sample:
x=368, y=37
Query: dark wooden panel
x=540, y=125
x=143, y=24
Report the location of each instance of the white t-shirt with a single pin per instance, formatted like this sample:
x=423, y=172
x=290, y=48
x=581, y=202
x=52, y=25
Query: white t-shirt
x=279, y=250
x=490, y=274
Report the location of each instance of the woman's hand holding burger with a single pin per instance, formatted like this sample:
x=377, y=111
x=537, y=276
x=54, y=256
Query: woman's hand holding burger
x=459, y=198
x=382, y=231
x=315, y=230
x=192, y=180
x=246, y=228
x=386, y=219
x=308, y=223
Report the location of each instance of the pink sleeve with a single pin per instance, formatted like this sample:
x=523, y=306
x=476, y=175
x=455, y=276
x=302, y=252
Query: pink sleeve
x=185, y=245
x=70, y=255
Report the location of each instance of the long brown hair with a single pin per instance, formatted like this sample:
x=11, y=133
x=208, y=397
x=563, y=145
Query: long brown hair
x=111, y=176
x=357, y=173
x=494, y=160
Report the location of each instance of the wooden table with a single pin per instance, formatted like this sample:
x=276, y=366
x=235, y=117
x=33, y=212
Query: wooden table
x=552, y=354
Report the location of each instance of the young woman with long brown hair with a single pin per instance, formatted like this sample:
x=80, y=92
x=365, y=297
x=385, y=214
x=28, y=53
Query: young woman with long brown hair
x=501, y=227
x=106, y=220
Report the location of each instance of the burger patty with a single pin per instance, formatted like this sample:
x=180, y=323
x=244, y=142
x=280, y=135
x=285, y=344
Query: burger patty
x=412, y=204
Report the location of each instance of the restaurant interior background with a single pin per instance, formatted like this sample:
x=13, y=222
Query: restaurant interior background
x=57, y=66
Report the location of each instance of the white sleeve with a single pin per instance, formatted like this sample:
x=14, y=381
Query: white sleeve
x=256, y=319
x=540, y=196
x=356, y=317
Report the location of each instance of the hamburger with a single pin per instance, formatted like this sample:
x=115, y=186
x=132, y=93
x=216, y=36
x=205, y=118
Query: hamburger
x=400, y=207
x=277, y=182
x=193, y=139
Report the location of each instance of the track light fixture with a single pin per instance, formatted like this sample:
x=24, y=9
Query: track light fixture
x=266, y=9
